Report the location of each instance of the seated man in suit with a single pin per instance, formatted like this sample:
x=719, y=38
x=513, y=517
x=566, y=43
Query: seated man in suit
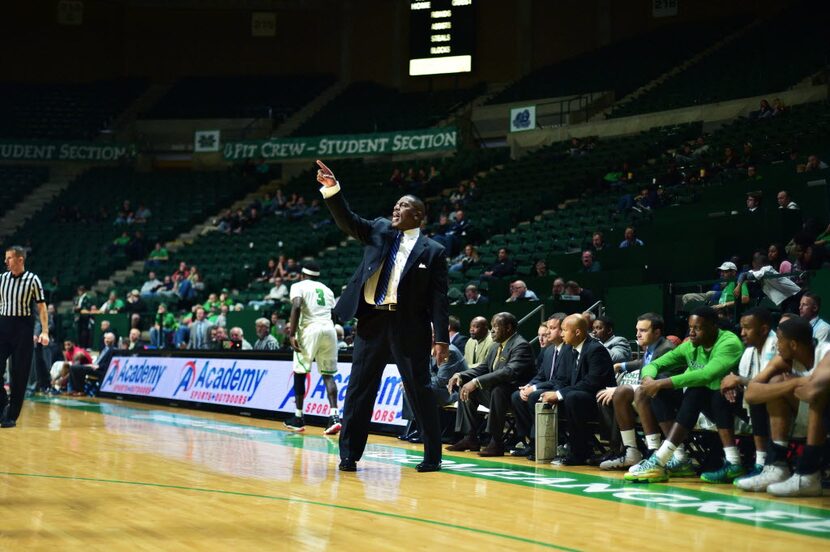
x=439, y=377
x=491, y=383
x=650, y=338
x=456, y=337
x=79, y=372
x=575, y=389
x=480, y=342
x=525, y=398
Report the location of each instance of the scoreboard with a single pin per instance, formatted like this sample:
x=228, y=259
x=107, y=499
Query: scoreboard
x=441, y=36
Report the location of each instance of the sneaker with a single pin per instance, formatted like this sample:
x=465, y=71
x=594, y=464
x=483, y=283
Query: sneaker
x=648, y=471
x=628, y=458
x=334, y=426
x=756, y=470
x=295, y=423
x=725, y=474
x=798, y=485
x=681, y=468
x=772, y=473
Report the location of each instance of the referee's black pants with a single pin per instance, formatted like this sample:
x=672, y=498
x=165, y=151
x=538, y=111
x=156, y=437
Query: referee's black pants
x=16, y=343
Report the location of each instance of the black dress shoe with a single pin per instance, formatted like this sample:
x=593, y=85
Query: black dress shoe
x=570, y=460
x=348, y=465
x=7, y=423
x=428, y=467
x=532, y=456
x=524, y=451
x=415, y=437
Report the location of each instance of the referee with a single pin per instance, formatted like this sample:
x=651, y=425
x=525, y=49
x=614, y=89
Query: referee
x=18, y=288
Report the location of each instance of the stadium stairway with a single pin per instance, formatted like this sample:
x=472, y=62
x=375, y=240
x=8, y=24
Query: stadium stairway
x=296, y=120
x=602, y=115
x=60, y=177
x=143, y=103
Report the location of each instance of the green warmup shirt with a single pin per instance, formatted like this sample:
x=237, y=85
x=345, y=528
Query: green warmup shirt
x=703, y=368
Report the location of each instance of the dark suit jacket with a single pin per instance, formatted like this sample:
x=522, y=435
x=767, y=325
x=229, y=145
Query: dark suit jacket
x=440, y=375
x=459, y=341
x=594, y=371
x=513, y=367
x=663, y=347
x=422, y=291
x=543, y=366
x=104, y=359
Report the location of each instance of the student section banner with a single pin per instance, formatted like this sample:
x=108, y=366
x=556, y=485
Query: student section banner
x=239, y=382
x=346, y=145
x=63, y=151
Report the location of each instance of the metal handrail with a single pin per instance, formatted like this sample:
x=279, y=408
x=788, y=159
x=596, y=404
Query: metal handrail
x=527, y=317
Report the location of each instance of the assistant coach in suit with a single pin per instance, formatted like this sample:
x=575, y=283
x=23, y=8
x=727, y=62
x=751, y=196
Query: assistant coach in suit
x=576, y=388
x=399, y=289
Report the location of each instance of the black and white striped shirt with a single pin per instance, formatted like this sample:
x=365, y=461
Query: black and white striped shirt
x=18, y=292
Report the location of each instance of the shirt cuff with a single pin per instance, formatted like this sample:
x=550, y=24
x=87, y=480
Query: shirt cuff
x=329, y=191
x=623, y=367
x=559, y=395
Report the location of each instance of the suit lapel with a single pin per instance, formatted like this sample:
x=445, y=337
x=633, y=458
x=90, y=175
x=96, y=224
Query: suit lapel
x=419, y=247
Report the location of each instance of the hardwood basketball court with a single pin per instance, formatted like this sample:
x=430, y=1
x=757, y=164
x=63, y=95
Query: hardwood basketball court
x=111, y=475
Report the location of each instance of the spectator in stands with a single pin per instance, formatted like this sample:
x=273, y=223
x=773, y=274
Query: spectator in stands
x=503, y=267
x=459, y=195
x=292, y=270
x=778, y=107
x=785, y=202
x=617, y=346
x=525, y=398
x=752, y=174
x=519, y=292
x=269, y=272
x=730, y=160
x=182, y=271
x=199, y=334
x=397, y=178
x=467, y=259
x=781, y=291
x=278, y=294
x=764, y=110
x=588, y=262
x=814, y=164
x=630, y=239
x=142, y=214
x=597, y=243
x=474, y=296
x=104, y=327
x=265, y=341
x=222, y=318
x=135, y=343
x=491, y=383
x=696, y=368
x=79, y=372
x=809, y=309
x=163, y=327
x=456, y=337
x=112, y=305
x=731, y=292
x=157, y=256
x=557, y=289
x=576, y=384
x=134, y=303
x=761, y=347
x=151, y=286
x=780, y=386
x=753, y=202
x=776, y=259
x=573, y=289
x=237, y=336
x=218, y=337
x=540, y=268
x=341, y=337
x=649, y=328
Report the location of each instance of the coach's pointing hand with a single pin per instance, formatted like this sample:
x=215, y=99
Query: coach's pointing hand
x=325, y=176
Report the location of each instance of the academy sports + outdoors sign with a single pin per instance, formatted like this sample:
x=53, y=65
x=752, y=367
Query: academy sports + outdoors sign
x=244, y=383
